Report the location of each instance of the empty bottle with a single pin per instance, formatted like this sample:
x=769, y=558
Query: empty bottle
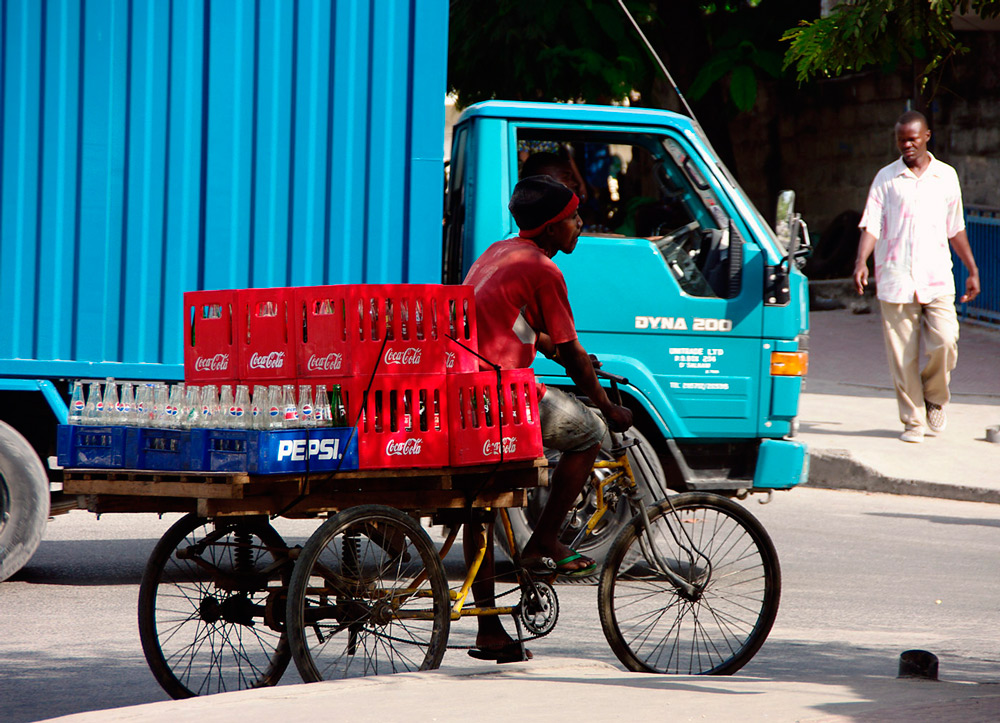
x=322, y=413
x=161, y=400
x=259, y=406
x=175, y=402
x=209, y=406
x=227, y=407
x=110, y=413
x=307, y=416
x=76, y=404
x=191, y=418
x=337, y=412
x=143, y=404
x=128, y=405
x=275, y=416
x=291, y=411
x=239, y=419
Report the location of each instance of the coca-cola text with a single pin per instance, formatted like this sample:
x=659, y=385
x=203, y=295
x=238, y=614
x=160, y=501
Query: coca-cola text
x=217, y=363
x=407, y=357
x=509, y=446
x=330, y=362
x=406, y=448
x=272, y=360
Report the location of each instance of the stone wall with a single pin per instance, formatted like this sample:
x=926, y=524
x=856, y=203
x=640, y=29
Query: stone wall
x=829, y=139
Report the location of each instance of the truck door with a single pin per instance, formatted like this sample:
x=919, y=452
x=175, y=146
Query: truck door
x=665, y=283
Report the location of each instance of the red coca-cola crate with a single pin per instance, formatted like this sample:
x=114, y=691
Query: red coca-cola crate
x=402, y=421
x=405, y=329
x=210, y=354
x=327, y=328
x=264, y=335
x=489, y=418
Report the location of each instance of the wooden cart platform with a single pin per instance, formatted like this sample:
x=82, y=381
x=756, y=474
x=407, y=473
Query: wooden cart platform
x=304, y=495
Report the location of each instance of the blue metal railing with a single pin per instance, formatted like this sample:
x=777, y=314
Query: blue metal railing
x=983, y=227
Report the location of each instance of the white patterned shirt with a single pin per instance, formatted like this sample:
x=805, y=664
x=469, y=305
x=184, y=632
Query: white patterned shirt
x=912, y=217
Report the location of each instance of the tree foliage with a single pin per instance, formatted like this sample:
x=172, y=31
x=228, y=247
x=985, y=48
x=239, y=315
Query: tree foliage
x=744, y=49
x=859, y=34
x=547, y=50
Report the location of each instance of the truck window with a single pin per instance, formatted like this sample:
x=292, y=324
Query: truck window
x=454, y=212
x=639, y=185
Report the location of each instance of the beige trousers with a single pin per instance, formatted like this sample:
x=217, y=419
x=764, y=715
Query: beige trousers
x=904, y=326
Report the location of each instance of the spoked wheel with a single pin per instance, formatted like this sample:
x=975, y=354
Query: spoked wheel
x=714, y=543
x=368, y=597
x=211, y=606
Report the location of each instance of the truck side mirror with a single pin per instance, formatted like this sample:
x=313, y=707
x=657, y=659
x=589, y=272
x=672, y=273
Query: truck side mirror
x=784, y=220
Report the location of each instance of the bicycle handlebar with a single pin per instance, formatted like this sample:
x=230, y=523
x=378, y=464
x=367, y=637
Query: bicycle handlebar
x=611, y=377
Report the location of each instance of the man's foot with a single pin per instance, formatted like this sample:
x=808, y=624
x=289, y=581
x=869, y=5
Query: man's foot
x=573, y=565
x=510, y=653
x=937, y=420
x=914, y=435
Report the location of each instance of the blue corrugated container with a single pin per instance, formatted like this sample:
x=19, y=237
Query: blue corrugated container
x=151, y=148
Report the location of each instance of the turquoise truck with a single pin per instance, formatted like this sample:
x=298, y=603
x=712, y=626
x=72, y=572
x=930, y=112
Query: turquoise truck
x=149, y=149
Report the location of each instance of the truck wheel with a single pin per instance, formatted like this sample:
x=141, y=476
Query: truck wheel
x=24, y=501
x=652, y=483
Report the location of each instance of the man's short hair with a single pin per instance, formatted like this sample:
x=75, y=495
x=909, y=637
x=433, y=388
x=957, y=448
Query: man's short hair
x=542, y=163
x=912, y=116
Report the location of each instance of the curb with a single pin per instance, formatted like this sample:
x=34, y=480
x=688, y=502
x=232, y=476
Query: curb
x=837, y=469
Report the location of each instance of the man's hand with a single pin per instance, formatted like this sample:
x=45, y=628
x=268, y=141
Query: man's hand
x=861, y=278
x=618, y=418
x=971, y=288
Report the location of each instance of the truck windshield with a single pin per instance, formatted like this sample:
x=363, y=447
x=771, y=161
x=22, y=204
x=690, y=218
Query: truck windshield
x=639, y=185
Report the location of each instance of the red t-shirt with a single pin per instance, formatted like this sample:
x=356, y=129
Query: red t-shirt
x=513, y=279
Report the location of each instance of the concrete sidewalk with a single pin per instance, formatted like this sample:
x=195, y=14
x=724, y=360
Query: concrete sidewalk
x=572, y=690
x=849, y=418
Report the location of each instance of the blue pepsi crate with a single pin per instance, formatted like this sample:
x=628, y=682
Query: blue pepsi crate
x=167, y=450
x=295, y=451
x=91, y=446
x=224, y=450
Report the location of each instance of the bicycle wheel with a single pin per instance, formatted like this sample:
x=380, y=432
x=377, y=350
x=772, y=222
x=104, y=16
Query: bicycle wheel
x=713, y=542
x=368, y=597
x=210, y=606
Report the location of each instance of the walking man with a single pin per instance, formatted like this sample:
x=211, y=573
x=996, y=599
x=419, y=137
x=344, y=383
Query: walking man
x=913, y=212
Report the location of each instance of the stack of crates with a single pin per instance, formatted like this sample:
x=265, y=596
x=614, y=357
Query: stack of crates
x=404, y=355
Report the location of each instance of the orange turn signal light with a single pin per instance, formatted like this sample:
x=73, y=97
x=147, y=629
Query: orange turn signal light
x=789, y=363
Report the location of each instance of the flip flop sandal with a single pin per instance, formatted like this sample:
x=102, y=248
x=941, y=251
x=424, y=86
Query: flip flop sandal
x=508, y=654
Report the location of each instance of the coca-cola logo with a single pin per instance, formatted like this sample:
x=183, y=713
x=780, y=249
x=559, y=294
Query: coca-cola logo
x=330, y=362
x=407, y=448
x=217, y=363
x=508, y=445
x=272, y=360
x=406, y=357
x=449, y=359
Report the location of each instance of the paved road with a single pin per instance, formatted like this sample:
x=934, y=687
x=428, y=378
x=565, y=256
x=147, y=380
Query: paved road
x=865, y=577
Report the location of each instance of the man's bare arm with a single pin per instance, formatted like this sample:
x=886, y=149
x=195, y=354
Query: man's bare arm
x=575, y=359
x=960, y=242
x=865, y=247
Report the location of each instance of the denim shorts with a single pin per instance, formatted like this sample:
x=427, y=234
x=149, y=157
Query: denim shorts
x=569, y=425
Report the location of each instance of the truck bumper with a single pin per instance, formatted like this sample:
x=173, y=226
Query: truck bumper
x=781, y=464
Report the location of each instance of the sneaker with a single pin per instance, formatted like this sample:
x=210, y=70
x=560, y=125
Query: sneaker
x=914, y=435
x=937, y=420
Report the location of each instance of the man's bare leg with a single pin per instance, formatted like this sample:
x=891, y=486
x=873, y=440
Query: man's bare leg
x=568, y=480
x=492, y=634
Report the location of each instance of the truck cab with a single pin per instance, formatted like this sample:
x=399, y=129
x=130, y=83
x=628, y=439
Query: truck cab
x=677, y=282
